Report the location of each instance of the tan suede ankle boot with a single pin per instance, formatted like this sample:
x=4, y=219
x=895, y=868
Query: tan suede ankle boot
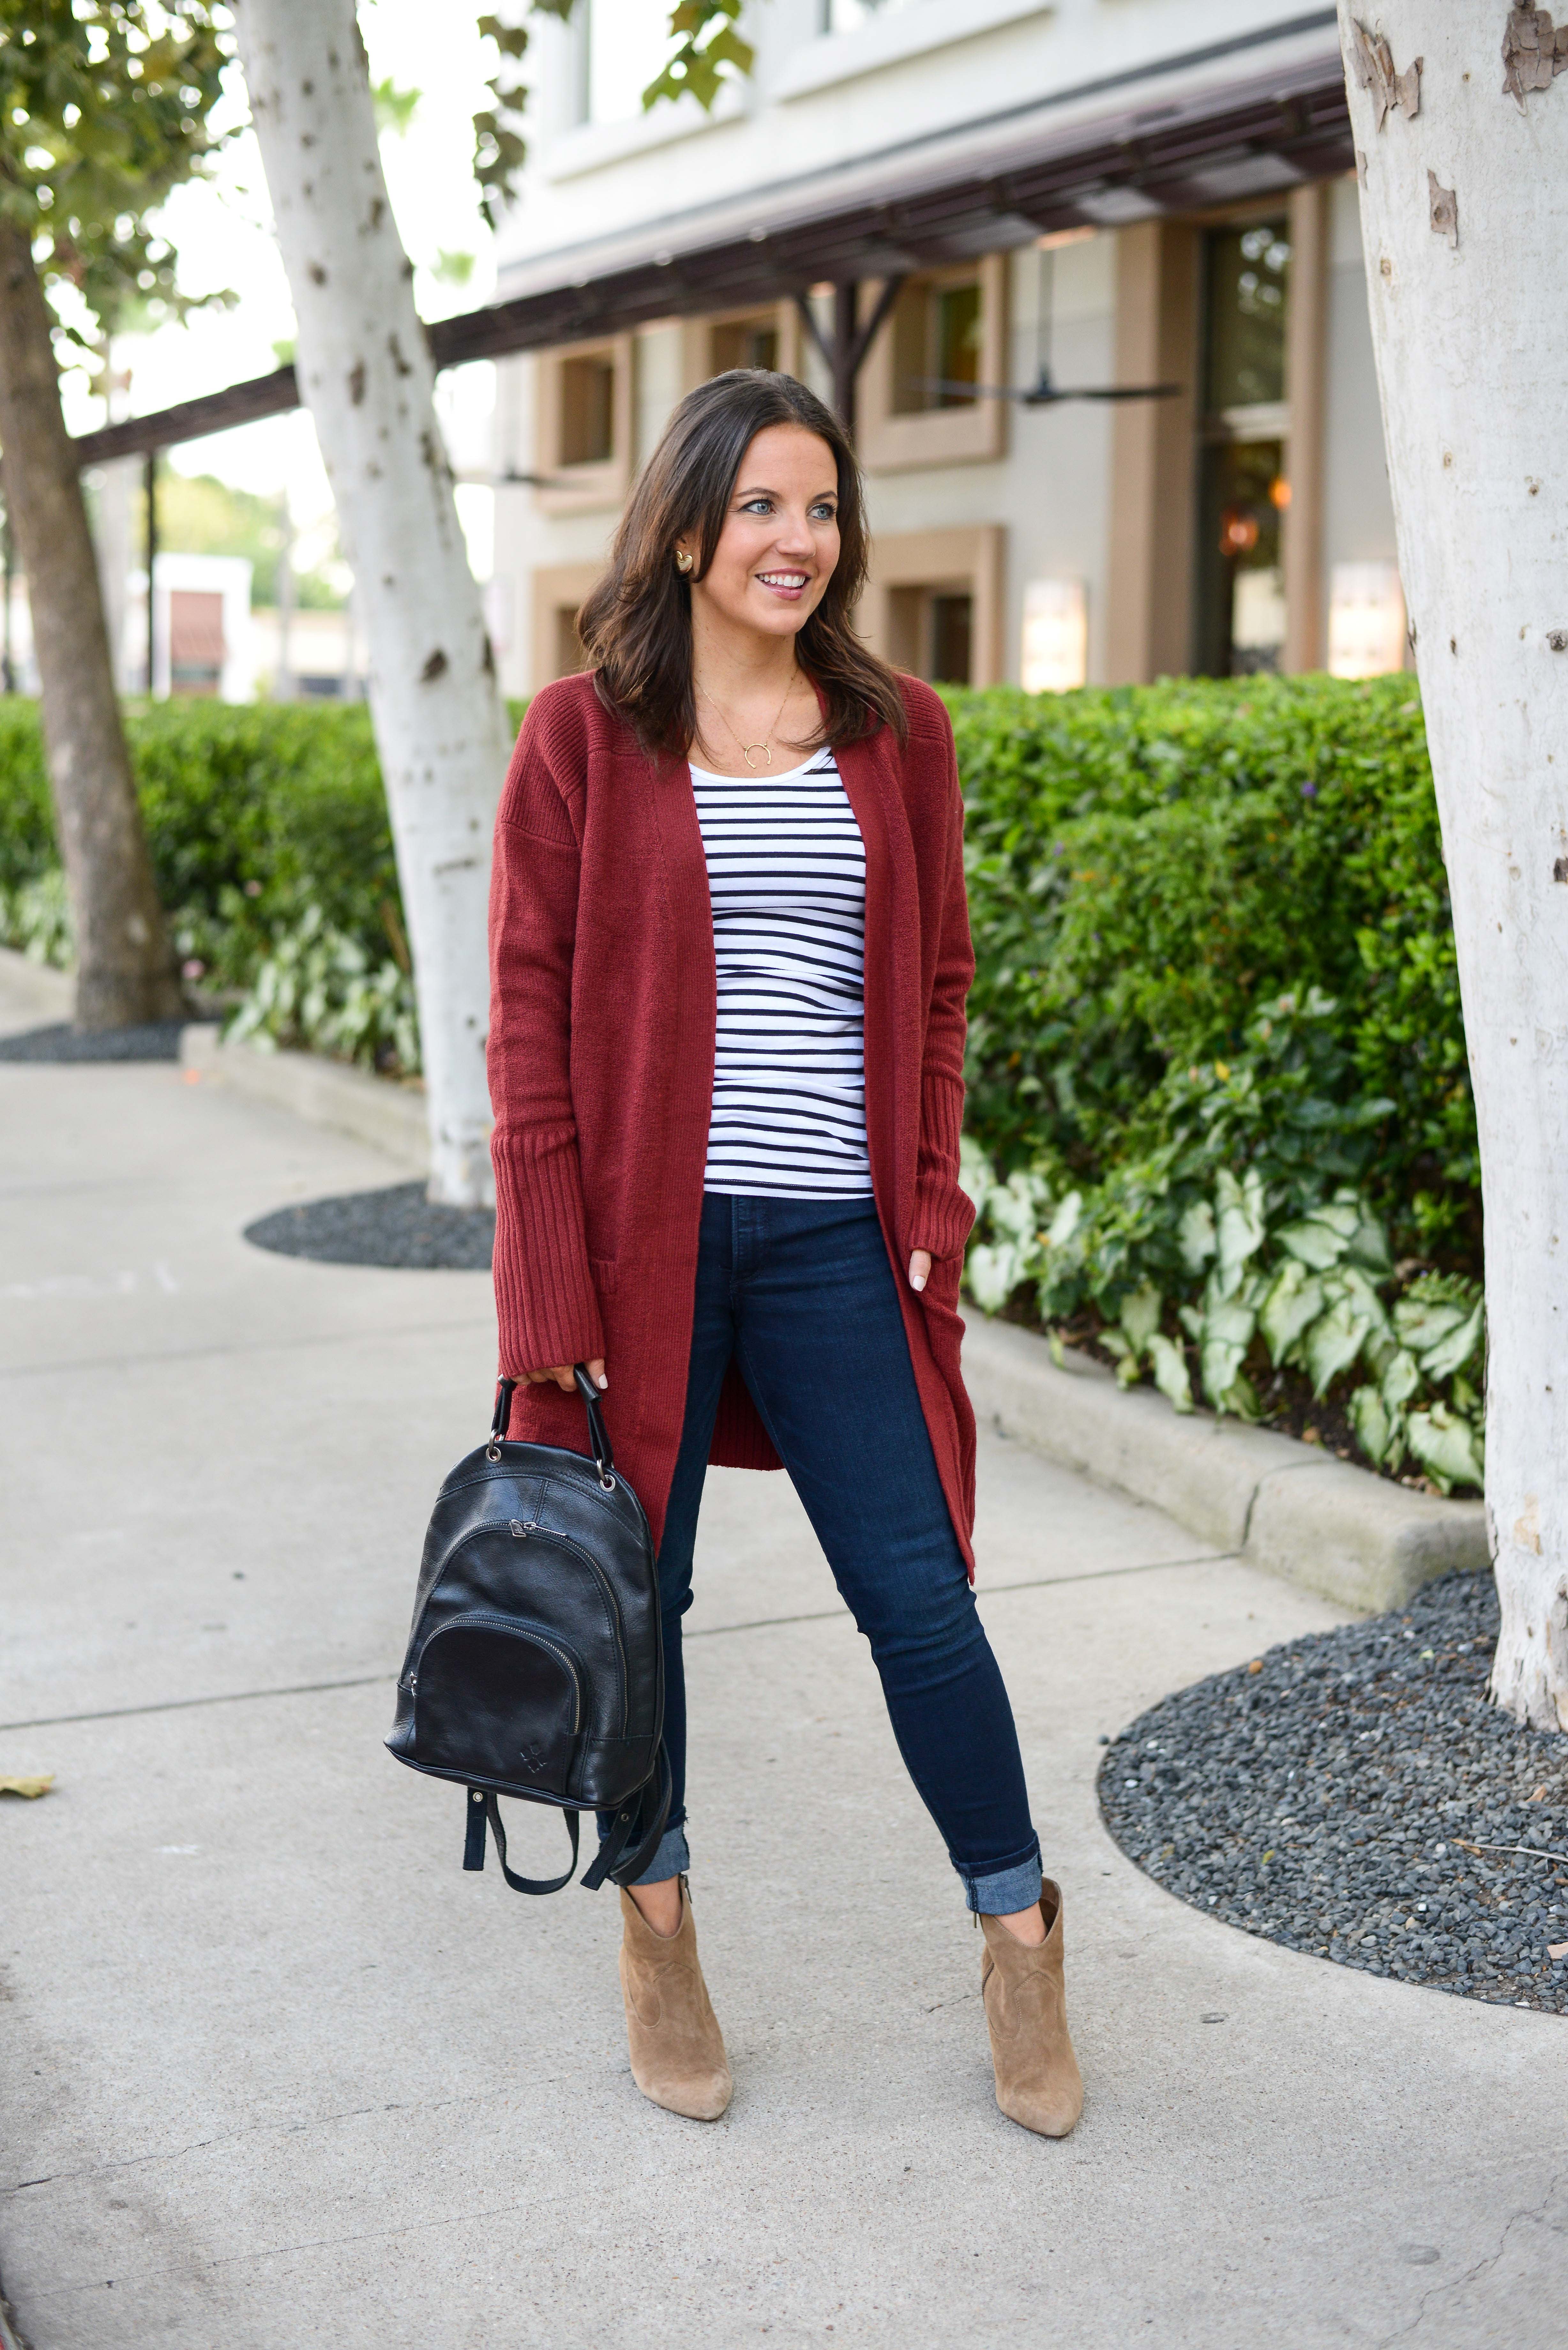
x=1037, y=2078
x=677, y=2056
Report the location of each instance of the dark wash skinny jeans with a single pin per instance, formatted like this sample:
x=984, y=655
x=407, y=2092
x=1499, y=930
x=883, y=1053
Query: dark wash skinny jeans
x=801, y=1293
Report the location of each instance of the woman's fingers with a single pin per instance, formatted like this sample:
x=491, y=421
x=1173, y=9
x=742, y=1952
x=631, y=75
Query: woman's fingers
x=566, y=1376
x=920, y=1268
x=597, y=1372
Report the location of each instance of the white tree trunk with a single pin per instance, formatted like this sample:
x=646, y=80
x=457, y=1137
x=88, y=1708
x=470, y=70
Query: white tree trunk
x=1463, y=183
x=366, y=375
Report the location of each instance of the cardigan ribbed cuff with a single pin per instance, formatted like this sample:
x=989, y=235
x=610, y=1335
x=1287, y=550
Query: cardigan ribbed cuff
x=943, y=1213
x=546, y=1309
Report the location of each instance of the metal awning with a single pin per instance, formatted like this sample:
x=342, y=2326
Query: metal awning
x=1197, y=140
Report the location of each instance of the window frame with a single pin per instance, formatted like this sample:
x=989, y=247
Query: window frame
x=970, y=560
x=556, y=588
x=977, y=433
x=698, y=337
x=599, y=482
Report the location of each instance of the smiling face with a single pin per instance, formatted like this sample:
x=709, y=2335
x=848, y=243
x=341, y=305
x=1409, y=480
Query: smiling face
x=779, y=545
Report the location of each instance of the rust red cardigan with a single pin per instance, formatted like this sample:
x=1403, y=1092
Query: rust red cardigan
x=601, y=1073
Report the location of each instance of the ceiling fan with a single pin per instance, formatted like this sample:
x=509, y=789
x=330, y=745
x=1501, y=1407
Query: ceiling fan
x=1044, y=393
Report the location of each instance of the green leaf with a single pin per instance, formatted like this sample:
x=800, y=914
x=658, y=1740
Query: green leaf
x=1447, y=1447
x=1334, y=1342
x=1065, y=1220
x=1295, y=1297
x=1195, y=1235
x=1240, y=1223
x=1454, y=1350
x=1400, y=1379
x=1241, y=1397
x=1373, y=1423
x=1140, y=1316
x=1170, y=1375
x=991, y=1275
x=1321, y=1239
x=1226, y=1333
x=1369, y=1244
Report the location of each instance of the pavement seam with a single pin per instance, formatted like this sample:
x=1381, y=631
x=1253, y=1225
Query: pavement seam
x=183, y=1704
x=709, y=1632
x=262, y=1346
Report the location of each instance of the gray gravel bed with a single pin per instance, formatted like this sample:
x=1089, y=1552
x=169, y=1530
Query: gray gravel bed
x=149, y=1040
x=396, y=1226
x=1354, y=1795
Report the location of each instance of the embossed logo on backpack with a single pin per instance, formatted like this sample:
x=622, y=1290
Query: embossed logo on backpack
x=532, y=1758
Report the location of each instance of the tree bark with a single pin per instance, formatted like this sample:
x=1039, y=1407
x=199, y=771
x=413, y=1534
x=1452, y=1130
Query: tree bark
x=1467, y=272
x=365, y=372
x=125, y=965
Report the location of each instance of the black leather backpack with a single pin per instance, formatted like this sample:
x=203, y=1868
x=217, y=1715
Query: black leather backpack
x=534, y=1666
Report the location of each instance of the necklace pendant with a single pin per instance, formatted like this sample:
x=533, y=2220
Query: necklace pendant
x=765, y=748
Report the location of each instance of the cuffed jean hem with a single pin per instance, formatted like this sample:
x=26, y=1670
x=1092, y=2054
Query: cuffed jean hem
x=671, y=1859
x=1001, y=1892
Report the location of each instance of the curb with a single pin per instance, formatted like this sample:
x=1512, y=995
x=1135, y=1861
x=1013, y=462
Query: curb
x=390, y=1119
x=38, y=987
x=1279, y=1504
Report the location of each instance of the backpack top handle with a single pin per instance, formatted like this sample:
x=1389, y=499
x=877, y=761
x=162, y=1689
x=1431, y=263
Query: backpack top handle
x=598, y=1438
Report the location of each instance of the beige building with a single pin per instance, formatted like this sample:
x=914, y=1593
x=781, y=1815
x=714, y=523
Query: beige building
x=946, y=214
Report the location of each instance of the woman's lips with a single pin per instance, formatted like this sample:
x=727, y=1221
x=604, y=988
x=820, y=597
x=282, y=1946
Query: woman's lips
x=788, y=585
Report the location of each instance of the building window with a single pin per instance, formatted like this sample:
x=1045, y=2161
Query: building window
x=1248, y=290
x=848, y=15
x=937, y=339
x=560, y=590
x=1244, y=489
x=930, y=633
x=768, y=336
x=623, y=47
x=919, y=390
x=585, y=426
x=195, y=641
x=746, y=343
x=933, y=603
x=587, y=410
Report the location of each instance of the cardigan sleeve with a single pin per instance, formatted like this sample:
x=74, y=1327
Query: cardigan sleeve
x=546, y=1306
x=944, y=1213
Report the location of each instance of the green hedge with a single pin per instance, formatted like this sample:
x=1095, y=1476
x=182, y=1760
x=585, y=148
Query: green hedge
x=1151, y=867
x=263, y=803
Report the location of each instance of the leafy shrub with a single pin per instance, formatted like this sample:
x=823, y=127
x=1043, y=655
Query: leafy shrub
x=317, y=987
x=1149, y=865
x=1239, y=1232
x=273, y=850
x=36, y=918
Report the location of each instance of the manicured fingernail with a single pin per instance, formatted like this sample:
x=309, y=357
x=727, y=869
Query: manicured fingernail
x=917, y=1281
x=603, y=1381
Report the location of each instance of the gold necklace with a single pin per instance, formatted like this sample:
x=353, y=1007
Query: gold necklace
x=766, y=746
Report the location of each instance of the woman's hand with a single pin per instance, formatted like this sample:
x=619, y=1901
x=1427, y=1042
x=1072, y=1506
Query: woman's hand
x=920, y=1268
x=566, y=1378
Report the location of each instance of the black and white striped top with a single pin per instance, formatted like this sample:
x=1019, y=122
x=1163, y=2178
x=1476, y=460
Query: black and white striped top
x=787, y=873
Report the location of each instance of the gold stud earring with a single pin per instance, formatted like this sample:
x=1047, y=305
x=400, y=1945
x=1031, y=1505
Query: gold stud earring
x=682, y=560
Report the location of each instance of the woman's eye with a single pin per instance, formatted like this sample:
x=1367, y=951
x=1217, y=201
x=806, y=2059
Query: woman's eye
x=823, y=514
x=757, y=506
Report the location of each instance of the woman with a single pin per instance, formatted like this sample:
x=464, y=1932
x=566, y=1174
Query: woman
x=730, y=953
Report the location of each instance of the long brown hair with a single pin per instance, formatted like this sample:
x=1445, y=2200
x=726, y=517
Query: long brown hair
x=636, y=627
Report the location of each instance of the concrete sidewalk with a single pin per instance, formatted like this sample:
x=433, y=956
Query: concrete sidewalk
x=276, y=2073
